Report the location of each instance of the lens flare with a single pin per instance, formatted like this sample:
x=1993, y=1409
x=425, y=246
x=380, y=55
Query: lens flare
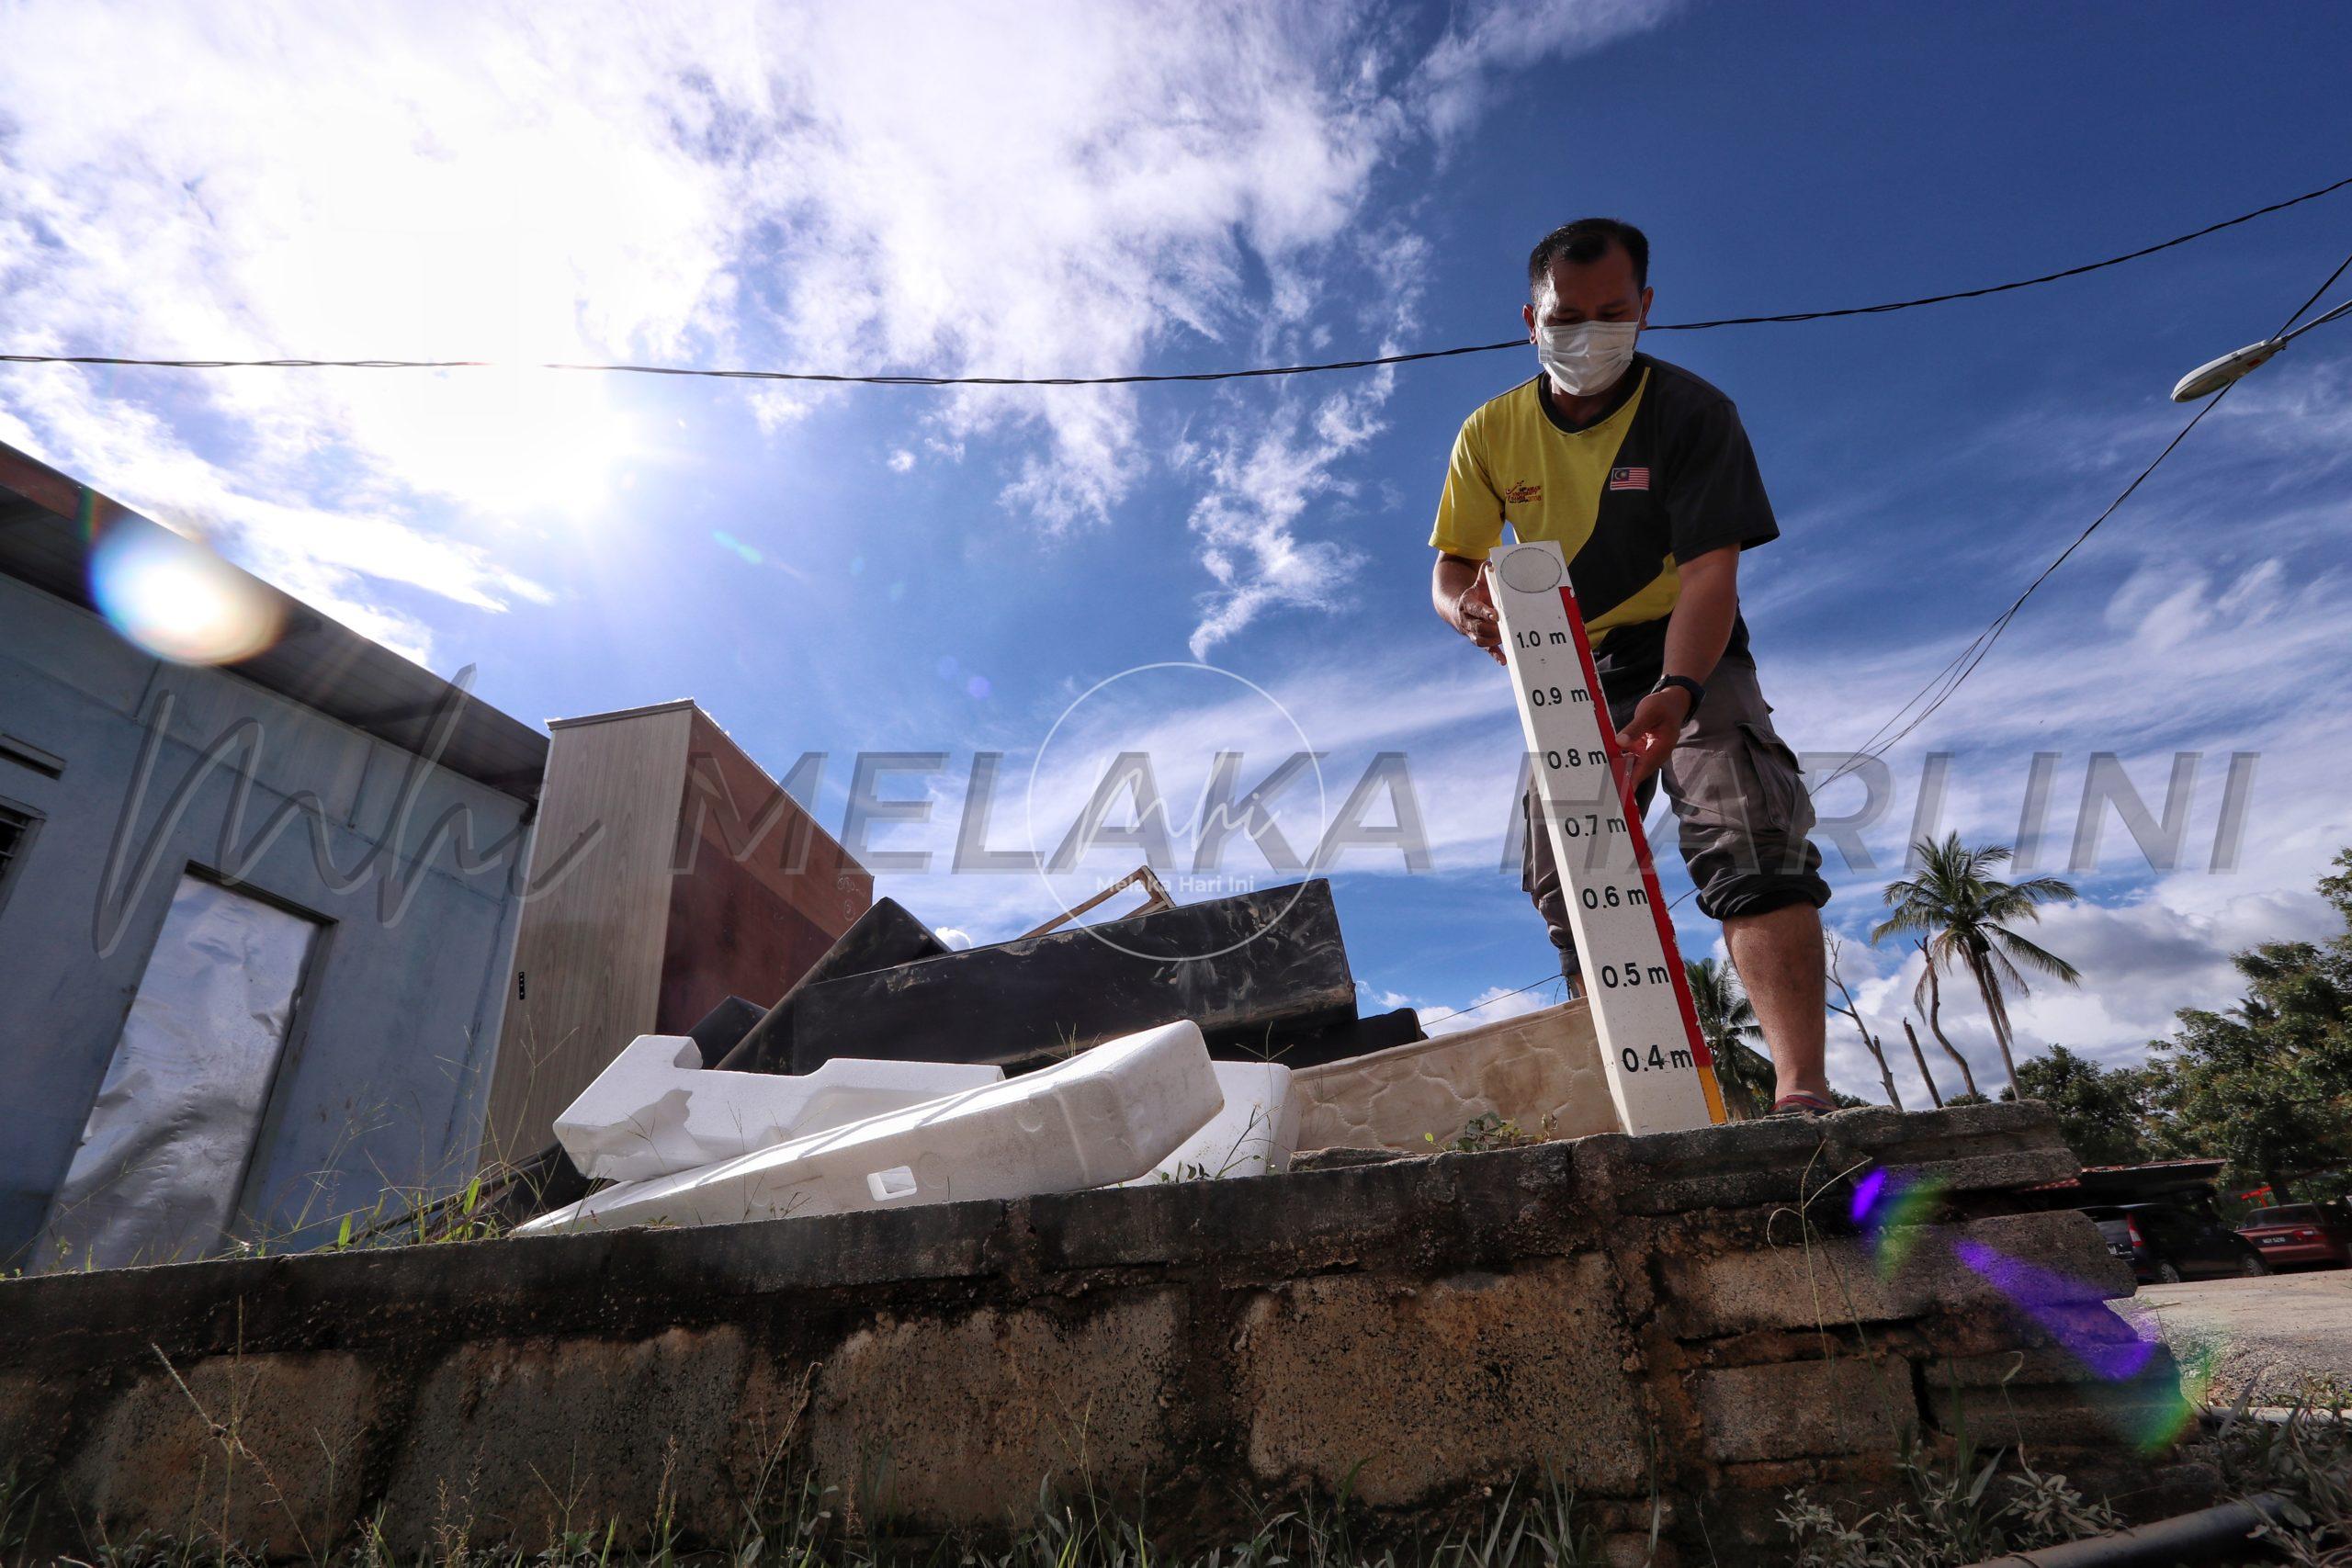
x=1866, y=1193
x=2150, y=1412
x=751, y=554
x=2046, y=1297
x=1893, y=1212
x=176, y=599
x=2156, y=1426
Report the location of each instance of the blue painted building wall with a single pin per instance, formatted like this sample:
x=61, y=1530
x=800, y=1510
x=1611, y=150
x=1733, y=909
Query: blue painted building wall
x=388, y=1061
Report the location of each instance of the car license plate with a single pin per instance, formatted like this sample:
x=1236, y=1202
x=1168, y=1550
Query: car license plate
x=2272, y=1240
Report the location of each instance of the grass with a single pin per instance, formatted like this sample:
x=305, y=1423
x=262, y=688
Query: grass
x=2305, y=1456
x=1974, y=1510
x=1535, y=1525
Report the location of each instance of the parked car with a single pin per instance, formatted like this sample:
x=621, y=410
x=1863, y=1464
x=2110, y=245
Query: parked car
x=2301, y=1233
x=2163, y=1242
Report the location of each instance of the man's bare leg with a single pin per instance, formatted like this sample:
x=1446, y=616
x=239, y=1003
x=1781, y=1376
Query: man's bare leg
x=1781, y=963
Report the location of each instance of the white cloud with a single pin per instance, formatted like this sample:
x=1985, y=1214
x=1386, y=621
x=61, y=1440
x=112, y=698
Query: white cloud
x=1492, y=1005
x=2164, y=635
x=1030, y=186
x=1261, y=483
x=414, y=182
x=1489, y=36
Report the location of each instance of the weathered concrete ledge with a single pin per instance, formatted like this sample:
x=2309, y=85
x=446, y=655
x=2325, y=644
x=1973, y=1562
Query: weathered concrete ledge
x=1690, y=1313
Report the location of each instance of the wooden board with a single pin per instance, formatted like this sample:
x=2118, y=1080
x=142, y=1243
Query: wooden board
x=704, y=880
x=588, y=949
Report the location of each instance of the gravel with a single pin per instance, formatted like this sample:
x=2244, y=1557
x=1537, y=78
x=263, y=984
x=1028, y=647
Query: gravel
x=2283, y=1334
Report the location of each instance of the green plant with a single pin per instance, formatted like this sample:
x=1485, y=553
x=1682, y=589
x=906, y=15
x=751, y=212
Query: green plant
x=1530, y=1523
x=1965, y=916
x=1490, y=1130
x=1971, y=1512
x=1233, y=1160
x=19, y=1511
x=2305, y=1457
x=2267, y=1084
x=2101, y=1111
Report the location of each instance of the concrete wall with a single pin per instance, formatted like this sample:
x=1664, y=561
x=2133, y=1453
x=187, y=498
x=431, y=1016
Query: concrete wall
x=1690, y=1312
x=1540, y=1072
x=390, y=1047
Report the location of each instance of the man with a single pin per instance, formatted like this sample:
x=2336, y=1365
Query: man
x=1641, y=473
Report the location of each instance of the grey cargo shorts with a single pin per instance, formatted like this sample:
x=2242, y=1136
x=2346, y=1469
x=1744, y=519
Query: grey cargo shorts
x=1740, y=800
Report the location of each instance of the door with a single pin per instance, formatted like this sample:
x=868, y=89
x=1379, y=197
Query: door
x=2172, y=1238
x=164, y=1155
x=2198, y=1245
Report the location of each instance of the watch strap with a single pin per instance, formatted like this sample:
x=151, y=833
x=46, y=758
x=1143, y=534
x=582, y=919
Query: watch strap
x=1698, y=693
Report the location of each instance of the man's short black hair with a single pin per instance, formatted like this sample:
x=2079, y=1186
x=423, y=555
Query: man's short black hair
x=1588, y=240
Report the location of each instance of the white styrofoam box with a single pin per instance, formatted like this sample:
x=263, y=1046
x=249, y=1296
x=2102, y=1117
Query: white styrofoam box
x=656, y=1109
x=1107, y=1115
x=1255, y=1134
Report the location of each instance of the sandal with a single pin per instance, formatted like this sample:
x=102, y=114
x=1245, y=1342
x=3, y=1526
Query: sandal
x=1803, y=1104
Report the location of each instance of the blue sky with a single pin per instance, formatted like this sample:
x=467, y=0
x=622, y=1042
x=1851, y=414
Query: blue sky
x=1042, y=189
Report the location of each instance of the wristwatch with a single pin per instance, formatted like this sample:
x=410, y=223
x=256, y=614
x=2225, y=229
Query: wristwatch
x=1698, y=693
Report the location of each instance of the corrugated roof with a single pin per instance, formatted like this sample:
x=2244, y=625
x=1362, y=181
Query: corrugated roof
x=317, y=660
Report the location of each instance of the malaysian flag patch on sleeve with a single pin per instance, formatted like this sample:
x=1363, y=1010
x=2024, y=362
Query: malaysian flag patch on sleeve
x=1629, y=479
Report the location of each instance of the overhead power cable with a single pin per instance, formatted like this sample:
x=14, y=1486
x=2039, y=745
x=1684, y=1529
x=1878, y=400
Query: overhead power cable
x=1552, y=979
x=1253, y=372
x=2307, y=304
x=1945, y=682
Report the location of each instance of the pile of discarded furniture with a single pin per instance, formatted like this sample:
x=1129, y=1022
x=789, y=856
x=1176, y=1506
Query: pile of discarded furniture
x=1185, y=1042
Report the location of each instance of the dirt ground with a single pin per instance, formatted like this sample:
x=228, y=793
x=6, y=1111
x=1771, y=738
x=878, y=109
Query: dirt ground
x=2281, y=1334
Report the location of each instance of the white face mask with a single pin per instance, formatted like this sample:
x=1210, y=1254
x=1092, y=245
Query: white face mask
x=1588, y=357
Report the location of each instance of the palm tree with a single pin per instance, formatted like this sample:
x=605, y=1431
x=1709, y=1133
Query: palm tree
x=1965, y=915
x=1727, y=1021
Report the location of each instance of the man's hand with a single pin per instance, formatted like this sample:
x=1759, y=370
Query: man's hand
x=1695, y=634
x=1468, y=605
x=1651, y=733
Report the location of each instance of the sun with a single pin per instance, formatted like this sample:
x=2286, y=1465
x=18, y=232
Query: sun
x=512, y=440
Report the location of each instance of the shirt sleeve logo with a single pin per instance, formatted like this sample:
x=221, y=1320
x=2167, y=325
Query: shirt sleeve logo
x=1521, y=494
x=1629, y=479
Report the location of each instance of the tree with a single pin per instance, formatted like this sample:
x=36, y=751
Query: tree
x=1970, y=1093
x=1728, y=1022
x=2102, y=1111
x=1920, y=1057
x=2268, y=1085
x=1966, y=916
x=1869, y=1041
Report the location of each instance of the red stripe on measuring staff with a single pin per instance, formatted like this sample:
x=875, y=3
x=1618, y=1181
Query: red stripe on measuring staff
x=1641, y=843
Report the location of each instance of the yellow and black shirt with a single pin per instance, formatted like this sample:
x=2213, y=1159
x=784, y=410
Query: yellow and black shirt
x=1663, y=474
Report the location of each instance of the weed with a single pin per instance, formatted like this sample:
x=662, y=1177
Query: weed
x=1972, y=1512
x=1530, y=1525
x=2305, y=1457
x=1491, y=1130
